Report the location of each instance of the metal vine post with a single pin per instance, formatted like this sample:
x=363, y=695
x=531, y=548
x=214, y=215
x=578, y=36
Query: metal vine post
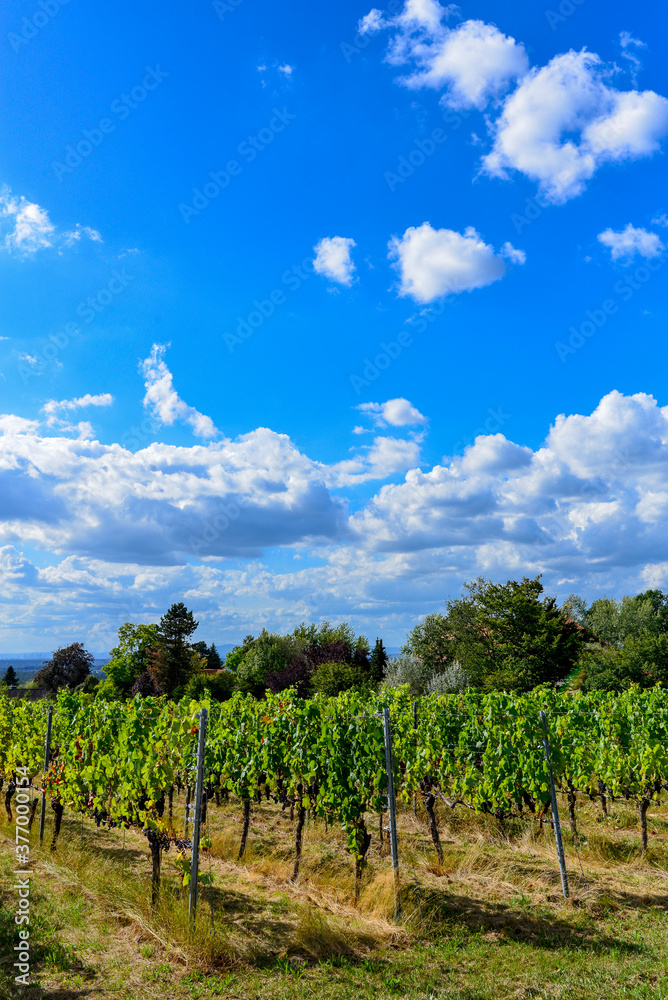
x=47, y=755
x=555, y=810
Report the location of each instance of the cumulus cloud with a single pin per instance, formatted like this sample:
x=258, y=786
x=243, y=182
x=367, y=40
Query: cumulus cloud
x=473, y=62
x=26, y=228
x=133, y=532
x=163, y=400
x=396, y=412
x=52, y=408
x=333, y=260
x=564, y=121
x=436, y=262
x=626, y=243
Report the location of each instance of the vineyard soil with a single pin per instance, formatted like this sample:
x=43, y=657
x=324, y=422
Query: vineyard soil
x=494, y=923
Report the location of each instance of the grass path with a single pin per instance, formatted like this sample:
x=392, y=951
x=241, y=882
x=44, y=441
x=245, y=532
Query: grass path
x=494, y=924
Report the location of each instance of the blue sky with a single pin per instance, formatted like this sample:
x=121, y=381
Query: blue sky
x=320, y=315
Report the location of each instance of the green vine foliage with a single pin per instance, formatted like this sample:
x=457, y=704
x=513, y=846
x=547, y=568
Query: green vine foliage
x=119, y=761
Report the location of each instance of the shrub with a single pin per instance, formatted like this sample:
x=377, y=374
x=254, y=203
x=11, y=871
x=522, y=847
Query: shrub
x=452, y=680
x=332, y=678
x=411, y=670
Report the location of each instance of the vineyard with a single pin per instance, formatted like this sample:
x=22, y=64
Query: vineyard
x=123, y=764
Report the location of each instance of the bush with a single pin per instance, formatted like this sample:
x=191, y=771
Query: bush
x=452, y=680
x=411, y=670
x=332, y=678
x=220, y=686
x=145, y=686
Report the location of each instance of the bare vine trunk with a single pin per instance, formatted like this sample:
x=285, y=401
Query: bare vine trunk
x=571, y=810
x=642, y=809
x=301, y=817
x=244, y=832
x=11, y=788
x=359, y=861
x=58, y=814
x=154, y=842
x=429, y=800
x=33, y=810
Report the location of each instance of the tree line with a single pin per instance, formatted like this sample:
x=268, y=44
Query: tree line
x=492, y=637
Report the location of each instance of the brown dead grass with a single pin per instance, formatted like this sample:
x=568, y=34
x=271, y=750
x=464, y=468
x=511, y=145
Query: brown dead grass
x=497, y=883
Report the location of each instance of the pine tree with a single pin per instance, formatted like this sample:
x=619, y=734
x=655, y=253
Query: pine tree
x=10, y=678
x=378, y=662
x=172, y=665
x=214, y=660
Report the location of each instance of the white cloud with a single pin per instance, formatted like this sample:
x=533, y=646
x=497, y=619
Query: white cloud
x=75, y=235
x=286, y=70
x=626, y=243
x=474, y=62
x=396, y=412
x=333, y=259
x=563, y=122
x=514, y=256
x=26, y=228
x=628, y=43
x=385, y=457
x=436, y=262
x=52, y=408
x=164, y=401
x=587, y=509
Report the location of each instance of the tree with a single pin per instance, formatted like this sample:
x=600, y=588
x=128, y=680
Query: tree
x=508, y=636
x=378, y=662
x=213, y=658
x=173, y=663
x=614, y=621
x=575, y=607
x=503, y=636
x=10, y=677
x=332, y=678
x=130, y=656
x=69, y=666
x=210, y=654
x=642, y=660
x=270, y=654
x=431, y=641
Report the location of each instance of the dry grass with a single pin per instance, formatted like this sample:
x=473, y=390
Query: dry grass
x=494, y=887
